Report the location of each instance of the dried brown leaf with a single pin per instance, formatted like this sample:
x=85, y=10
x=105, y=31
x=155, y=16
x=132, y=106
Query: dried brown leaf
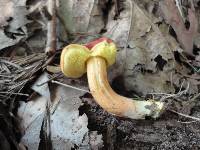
x=173, y=17
x=67, y=126
x=6, y=7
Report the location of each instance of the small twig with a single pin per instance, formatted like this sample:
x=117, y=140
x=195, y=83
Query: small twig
x=188, y=122
x=184, y=115
x=51, y=28
x=38, y=5
x=69, y=86
x=173, y=95
x=52, y=78
x=49, y=60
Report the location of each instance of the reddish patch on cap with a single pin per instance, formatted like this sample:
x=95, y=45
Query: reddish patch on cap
x=90, y=45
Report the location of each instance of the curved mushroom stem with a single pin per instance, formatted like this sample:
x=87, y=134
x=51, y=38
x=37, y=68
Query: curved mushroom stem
x=111, y=101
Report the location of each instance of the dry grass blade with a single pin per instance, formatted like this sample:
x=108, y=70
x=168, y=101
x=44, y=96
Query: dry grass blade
x=69, y=86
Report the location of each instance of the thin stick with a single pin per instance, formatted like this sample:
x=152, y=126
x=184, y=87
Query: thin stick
x=173, y=95
x=69, y=86
x=184, y=115
x=54, y=77
x=188, y=122
x=51, y=28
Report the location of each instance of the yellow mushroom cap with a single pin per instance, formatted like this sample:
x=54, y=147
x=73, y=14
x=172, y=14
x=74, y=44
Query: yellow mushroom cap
x=74, y=57
x=105, y=50
x=73, y=60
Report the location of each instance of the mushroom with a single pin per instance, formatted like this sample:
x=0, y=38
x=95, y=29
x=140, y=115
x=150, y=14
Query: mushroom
x=94, y=58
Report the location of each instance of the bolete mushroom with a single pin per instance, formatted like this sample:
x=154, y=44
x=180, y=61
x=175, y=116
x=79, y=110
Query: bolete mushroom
x=94, y=58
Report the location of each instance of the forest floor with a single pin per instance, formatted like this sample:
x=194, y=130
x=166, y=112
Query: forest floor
x=158, y=57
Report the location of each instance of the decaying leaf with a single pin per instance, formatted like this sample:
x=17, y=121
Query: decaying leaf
x=150, y=50
x=32, y=116
x=19, y=19
x=197, y=41
x=118, y=29
x=173, y=17
x=145, y=59
x=33, y=113
x=68, y=128
x=184, y=82
x=39, y=87
x=16, y=12
x=7, y=11
x=5, y=41
x=149, y=83
x=79, y=16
